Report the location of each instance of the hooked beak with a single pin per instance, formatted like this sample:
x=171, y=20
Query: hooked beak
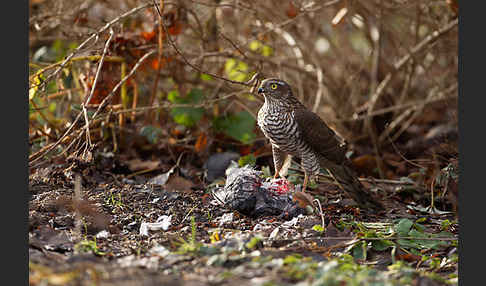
x=260, y=90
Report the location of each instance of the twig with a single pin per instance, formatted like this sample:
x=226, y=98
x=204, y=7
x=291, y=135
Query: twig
x=323, y=224
x=233, y=44
x=114, y=90
x=93, y=87
x=403, y=157
x=35, y=157
x=206, y=103
x=369, y=180
x=319, y=88
x=400, y=63
x=135, y=100
x=178, y=51
x=94, y=36
x=368, y=124
x=159, y=58
x=44, y=151
x=74, y=59
x=411, y=105
x=77, y=199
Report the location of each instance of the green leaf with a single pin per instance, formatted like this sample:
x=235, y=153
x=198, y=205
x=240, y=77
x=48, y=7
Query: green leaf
x=445, y=224
x=236, y=70
x=267, y=51
x=419, y=227
x=249, y=159
x=257, y=46
x=238, y=126
x=380, y=245
x=186, y=116
x=360, y=250
x=407, y=243
x=35, y=86
x=254, y=242
x=292, y=259
x=403, y=226
x=427, y=244
x=206, y=77
x=254, y=45
x=318, y=228
x=52, y=106
x=420, y=220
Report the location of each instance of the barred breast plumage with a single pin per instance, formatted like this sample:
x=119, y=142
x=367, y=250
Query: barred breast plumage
x=280, y=127
x=294, y=130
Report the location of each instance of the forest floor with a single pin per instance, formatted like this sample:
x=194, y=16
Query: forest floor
x=88, y=232
x=145, y=87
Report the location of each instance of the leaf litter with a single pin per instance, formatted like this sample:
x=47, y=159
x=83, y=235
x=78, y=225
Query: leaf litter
x=133, y=231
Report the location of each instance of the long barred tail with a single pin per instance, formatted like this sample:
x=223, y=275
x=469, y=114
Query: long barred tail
x=348, y=182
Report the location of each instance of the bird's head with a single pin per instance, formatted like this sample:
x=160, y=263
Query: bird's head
x=277, y=90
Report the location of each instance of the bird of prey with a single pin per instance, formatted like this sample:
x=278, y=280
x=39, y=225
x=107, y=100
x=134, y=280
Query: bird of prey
x=294, y=130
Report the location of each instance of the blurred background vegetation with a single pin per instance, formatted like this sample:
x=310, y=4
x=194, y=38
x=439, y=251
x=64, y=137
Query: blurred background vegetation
x=116, y=76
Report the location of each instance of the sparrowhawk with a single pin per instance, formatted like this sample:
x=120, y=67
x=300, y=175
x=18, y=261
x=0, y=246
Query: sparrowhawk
x=294, y=130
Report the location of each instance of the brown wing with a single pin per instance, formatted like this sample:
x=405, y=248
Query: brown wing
x=319, y=136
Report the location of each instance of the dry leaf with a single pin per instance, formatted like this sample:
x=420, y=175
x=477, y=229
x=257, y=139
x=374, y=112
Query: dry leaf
x=138, y=165
x=201, y=142
x=176, y=183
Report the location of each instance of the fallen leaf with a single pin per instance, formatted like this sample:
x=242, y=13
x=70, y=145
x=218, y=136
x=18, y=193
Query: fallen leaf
x=201, y=142
x=162, y=178
x=177, y=183
x=365, y=164
x=138, y=165
x=303, y=199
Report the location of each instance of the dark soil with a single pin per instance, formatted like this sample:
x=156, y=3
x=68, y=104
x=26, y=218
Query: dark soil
x=95, y=240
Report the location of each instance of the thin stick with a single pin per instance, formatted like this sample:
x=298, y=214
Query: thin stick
x=35, y=157
x=400, y=63
x=95, y=36
x=135, y=100
x=93, y=87
x=206, y=103
x=319, y=88
x=368, y=124
x=233, y=44
x=369, y=180
x=321, y=213
x=411, y=105
x=159, y=59
x=178, y=51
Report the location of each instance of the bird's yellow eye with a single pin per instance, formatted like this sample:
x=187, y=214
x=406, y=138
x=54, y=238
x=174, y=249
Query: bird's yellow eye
x=273, y=86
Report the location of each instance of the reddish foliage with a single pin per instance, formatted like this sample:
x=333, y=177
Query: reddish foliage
x=176, y=28
x=148, y=36
x=108, y=78
x=291, y=10
x=409, y=257
x=201, y=142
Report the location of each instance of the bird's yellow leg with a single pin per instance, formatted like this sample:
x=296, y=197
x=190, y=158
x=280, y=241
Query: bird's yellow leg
x=306, y=178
